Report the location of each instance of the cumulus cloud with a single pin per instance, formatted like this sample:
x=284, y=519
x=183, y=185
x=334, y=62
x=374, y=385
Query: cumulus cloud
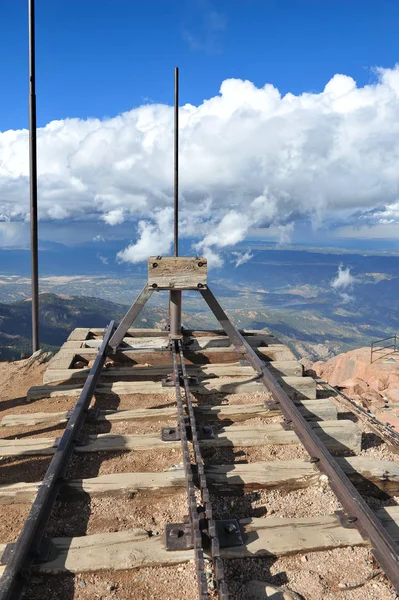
x=155, y=238
x=343, y=282
x=250, y=159
x=114, y=217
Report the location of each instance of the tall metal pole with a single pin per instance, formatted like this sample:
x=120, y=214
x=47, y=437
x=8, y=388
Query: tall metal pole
x=175, y=296
x=176, y=165
x=33, y=178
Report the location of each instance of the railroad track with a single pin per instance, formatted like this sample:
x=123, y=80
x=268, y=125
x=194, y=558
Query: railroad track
x=188, y=476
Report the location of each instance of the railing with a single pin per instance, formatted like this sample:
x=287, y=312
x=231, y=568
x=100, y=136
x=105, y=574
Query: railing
x=391, y=347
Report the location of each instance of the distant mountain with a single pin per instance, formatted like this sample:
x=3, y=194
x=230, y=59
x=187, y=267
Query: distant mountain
x=295, y=293
x=58, y=316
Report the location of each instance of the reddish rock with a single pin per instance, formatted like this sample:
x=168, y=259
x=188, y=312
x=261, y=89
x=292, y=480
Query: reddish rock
x=354, y=387
x=378, y=383
x=373, y=399
x=390, y=417
x=356, y=365
x=392, y=393
x=393, y=379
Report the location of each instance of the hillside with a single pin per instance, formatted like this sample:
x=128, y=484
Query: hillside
x=58, y=316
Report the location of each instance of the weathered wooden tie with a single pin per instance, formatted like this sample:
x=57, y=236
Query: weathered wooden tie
x=316, y=410
x=290, y=368
x=338, y=436
x=262, y=537
x=296, y=387
x=224, y=479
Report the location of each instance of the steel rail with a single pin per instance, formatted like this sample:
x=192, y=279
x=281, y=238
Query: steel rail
x=383, y=547
x=191, y=499
x=129, y=318
x=206, y=503
x=27, y=547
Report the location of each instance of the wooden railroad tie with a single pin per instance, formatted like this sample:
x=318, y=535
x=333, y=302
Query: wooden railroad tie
x=283, y=475
x=338, y=436
x=135, y=549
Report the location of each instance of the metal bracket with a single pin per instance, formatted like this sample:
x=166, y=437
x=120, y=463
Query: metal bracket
x=229, y=533
x=79, y=441
x=205, y=432
x=172, y=434
x=43, y=554
x=178, y=536
x=91, y=415
x=272, y=405
x=345, y=520
x=169, y=381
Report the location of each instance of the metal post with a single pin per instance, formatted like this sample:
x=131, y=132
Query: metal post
x=176, y=166
x=175, y=295
x=33, y=179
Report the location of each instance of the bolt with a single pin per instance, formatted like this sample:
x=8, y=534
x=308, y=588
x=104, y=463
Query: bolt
x=314, y=459
x=154, y=265
x=200, y=285
x=176, y=532
x=352, y=519
x=154, y=285
x=230, y=528
x=200, y=264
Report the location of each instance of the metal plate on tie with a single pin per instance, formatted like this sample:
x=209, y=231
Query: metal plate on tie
x=178, y=536
x=229, y=533
x=205, y=432
x=170, y=434
x=46, y=548
x=168, y=381
x=92, y=414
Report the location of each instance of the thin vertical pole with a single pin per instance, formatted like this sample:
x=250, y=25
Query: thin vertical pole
x=175, y=295
x=176, y=160
x=33, y=178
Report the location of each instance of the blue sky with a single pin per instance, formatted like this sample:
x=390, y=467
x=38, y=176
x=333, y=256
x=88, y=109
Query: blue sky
x=289, y=121
x=102, y=57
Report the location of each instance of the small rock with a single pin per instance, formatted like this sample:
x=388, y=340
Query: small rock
x=304, y=558
x=82, y=583
x=80, y=364
x=212, y=584
x=261, y=590
x=342, y=586
x=111, y=588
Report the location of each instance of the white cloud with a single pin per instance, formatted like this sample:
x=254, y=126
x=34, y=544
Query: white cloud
x=250, y=159
x=103, y=259
x=155, y=238
x=114, y=217
x=344, y=279
x=241, y=258
x=343, y=283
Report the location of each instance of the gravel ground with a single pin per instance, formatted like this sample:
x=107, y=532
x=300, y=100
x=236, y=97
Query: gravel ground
x=315, y=576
